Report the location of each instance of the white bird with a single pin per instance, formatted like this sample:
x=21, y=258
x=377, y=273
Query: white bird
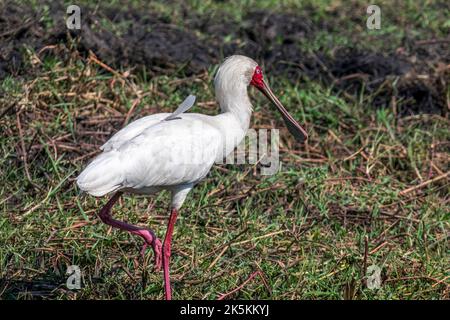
x=176, y=151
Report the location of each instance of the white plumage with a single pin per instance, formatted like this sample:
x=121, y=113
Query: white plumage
x=174, y=151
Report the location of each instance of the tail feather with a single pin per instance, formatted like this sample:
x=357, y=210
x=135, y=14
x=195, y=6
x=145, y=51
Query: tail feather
x=103, y=175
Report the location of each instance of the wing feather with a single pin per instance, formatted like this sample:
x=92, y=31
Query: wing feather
x=172, y=153
x=184, y=106
x=137, y=127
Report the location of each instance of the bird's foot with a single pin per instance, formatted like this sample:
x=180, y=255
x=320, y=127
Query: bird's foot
x=157, y=250
x=151, y=240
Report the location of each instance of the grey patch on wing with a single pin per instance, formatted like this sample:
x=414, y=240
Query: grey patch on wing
x=183, y=107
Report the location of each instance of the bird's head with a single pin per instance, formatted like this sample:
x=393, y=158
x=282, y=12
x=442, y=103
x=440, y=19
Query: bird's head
x=237, y=70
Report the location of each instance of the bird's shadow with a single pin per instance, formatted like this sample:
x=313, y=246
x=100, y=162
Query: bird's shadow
x=42, y=287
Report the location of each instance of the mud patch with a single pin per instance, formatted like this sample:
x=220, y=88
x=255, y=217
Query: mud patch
x=149, y=42
x=411, y=79
x=389, y=80
x=274, y=39
x=20, y=28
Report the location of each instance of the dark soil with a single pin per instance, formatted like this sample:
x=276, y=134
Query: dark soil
x=154, y=43
x=19, y=29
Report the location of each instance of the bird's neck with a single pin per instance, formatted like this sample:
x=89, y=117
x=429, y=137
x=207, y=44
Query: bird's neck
x=233, y=98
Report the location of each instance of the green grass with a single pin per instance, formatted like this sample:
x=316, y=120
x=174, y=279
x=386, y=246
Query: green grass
x=305, y=228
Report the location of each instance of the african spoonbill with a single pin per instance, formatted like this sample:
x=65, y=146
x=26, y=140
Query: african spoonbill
x=176, y=151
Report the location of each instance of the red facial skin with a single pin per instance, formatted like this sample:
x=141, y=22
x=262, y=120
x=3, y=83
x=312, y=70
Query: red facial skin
x=257, y=79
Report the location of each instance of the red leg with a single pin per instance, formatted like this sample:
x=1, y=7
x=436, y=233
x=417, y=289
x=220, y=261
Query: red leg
x=167, y=252
x=147, y=234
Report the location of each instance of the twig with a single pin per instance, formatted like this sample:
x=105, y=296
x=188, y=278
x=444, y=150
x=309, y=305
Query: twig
x=130, y=112
x=218, y=257
x=6, y=110
x=12, y=32
x=94, y=58
x=378, y=247
x=366, y=253
x=260, y=237
x=432, y=41
x=24, y=152
x=436, y=281
x=425, y=183
x=254, y=274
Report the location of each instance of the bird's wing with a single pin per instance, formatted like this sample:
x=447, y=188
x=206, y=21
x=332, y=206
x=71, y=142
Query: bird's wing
x=137, y=127
x=132, y=130
x=171, y=153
